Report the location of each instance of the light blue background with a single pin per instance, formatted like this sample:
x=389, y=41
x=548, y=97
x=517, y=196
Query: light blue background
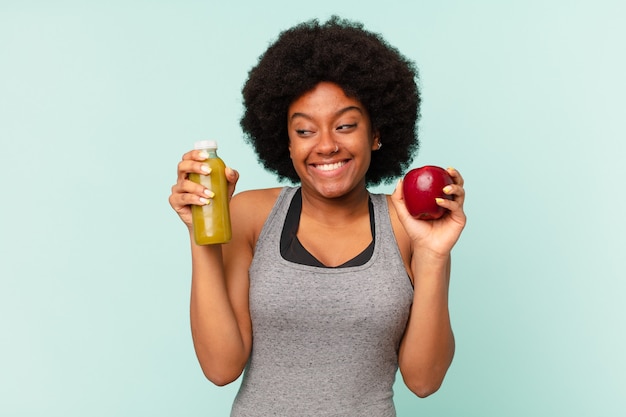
x=98, y=101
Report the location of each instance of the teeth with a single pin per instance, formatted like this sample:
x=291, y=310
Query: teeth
x=330, y=167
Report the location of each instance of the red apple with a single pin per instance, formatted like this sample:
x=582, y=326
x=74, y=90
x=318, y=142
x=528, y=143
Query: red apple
x=421, y=186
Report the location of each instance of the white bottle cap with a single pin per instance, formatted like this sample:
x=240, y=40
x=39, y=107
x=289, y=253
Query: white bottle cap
x=205, y=144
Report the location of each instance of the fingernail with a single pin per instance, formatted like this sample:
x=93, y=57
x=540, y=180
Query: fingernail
x=203, y=155
x=209, y=193
x=206, y=169
x=439, y=200
x=447, y=189
x=203, y=200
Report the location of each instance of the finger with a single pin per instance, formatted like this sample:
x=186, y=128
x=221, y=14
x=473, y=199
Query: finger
x=397, y=194
x=190, y=162
x=232, y=176
x=196, y=155
x=456, y=191
x=397, y=198
x=187, y=192
x=449, y=204
x=456, y=176
x=189, y=166
x=180, y=201
x=456, y=208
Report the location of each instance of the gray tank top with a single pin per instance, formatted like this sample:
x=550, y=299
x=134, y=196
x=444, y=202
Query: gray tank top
x=325, y=340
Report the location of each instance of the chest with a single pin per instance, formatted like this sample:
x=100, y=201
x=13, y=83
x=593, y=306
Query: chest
x=301, y=301
x=289, y=298
x=335, y=246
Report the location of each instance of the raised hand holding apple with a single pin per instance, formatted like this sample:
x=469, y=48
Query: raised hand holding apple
x=429, y=203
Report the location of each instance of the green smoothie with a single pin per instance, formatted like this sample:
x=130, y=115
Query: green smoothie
x=211, y=222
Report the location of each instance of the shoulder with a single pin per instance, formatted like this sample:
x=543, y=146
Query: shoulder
x=255, y=201
x=264, y=196
x=249, y=210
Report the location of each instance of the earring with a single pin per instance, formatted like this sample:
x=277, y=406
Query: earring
x=380, y=145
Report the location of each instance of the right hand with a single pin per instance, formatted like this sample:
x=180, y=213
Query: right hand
x=186, y=193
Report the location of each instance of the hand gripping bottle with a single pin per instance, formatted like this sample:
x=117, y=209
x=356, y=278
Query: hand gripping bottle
x=211, y=222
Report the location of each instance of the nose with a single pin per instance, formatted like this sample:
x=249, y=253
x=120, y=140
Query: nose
x=327, y=143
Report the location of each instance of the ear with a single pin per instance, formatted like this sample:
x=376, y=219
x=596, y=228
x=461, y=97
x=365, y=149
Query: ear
x=376, y=141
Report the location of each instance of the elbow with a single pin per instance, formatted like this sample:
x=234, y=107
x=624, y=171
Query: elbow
x=220, y=382
x=220, y=375
x=423, y=388
x=219, y=379
x=220, y=369
x=424, y=383
x=424, y=375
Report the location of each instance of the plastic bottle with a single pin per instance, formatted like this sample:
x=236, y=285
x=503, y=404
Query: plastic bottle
x=211, y=222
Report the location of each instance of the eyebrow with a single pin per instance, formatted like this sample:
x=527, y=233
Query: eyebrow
x=337, y=113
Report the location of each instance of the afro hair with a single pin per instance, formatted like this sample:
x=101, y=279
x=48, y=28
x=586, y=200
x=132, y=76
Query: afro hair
x=363, y=64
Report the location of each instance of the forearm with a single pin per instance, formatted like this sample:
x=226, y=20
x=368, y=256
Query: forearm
x=428, y=345
x=217, y=337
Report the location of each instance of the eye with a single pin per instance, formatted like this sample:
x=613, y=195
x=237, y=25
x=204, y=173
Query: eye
x=347, y=126
x=303, y=132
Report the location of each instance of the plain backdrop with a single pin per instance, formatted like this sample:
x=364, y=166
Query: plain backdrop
x=100, y=99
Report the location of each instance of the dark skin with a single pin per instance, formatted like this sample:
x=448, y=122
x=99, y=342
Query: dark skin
x=330, y=143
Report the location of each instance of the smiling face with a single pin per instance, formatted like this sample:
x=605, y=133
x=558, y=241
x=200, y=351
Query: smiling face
x=330, y=141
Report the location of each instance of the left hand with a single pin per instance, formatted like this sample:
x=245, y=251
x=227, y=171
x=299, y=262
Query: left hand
x=437, y=236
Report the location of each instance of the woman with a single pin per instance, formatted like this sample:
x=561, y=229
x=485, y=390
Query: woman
x=325, y=289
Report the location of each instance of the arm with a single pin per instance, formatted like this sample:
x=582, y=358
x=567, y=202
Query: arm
x=220, y=320
x=219, y=316
x=428, y=345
